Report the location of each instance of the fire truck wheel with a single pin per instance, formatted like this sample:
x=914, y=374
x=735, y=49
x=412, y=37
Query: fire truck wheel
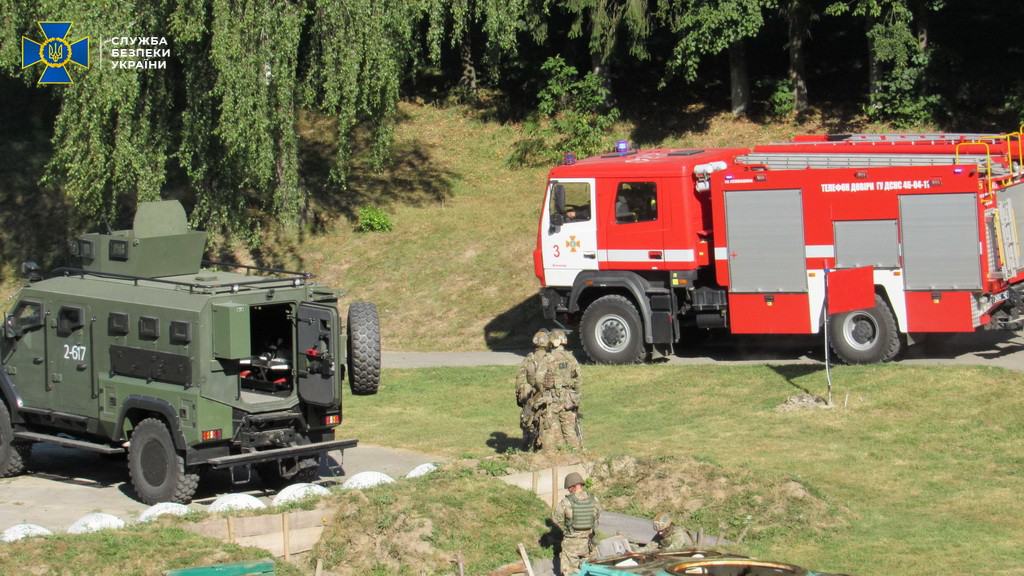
x=865, y=336
x=612, y=332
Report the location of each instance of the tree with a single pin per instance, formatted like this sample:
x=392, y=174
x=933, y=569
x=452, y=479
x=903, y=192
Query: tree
x=708, y=27
x=798, y=17
x=898, y=56
x=225, y=107
x=499, y=22
x=604, y=22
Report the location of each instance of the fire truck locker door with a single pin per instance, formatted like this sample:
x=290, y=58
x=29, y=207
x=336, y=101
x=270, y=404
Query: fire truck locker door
x=765, y=241
x=940, y=242
x=873, y=243
x=571, y=246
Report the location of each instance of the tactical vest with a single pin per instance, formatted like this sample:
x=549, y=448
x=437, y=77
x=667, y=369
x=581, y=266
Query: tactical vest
x=583, y=513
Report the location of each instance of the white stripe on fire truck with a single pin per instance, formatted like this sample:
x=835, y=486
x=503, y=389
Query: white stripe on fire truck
x=812, y=251
x=644, y=255
x=820, y=251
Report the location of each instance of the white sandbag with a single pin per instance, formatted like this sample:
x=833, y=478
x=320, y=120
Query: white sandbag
x=300, y=491
x=20, y=531
x=367, y=480
x=95, y=522
x=163, y=509
x=233, y=502
x=421, y=470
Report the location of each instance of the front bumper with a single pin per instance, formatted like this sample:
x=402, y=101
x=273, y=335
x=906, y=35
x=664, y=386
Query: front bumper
x=274, y=454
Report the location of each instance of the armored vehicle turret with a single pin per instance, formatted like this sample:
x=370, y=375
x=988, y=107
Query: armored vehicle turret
x=146, y=349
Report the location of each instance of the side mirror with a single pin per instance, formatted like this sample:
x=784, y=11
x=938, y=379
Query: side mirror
x=10, y=327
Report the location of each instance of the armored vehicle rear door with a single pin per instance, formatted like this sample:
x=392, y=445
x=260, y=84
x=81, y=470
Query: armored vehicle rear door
x=70, y=355
x=25, y=357
x=317, y=354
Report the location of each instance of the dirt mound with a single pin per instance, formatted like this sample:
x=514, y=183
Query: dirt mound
x=420, y=526
x=802, y=401
x=736, y=505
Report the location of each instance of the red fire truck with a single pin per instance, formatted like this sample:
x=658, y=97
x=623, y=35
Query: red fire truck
x=639, y=247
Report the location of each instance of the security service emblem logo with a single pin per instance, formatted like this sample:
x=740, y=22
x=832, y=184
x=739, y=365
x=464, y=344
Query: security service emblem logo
x=56, y=52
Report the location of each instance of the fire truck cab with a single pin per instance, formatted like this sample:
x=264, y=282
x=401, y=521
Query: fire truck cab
x=639, y=247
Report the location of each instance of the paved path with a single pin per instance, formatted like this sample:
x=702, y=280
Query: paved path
x=66, y=484
x=982, y=348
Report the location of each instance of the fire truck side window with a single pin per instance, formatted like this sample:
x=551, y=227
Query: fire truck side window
x=577, y=202
x=636, y=202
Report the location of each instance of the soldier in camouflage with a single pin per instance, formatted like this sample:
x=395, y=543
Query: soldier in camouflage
x=577, y=516
x=528, y=388
x=562, y=412
x=670, y=537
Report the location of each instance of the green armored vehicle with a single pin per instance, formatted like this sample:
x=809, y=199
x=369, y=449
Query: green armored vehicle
x=143, y=350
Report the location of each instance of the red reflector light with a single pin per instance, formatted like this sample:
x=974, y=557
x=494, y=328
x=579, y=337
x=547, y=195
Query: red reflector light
x=332, y=420
x=211, y=435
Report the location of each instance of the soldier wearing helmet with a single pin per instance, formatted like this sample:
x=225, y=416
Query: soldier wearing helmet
x=671, y=537
x=563, y=371
x=528, y=386
x=577, y=516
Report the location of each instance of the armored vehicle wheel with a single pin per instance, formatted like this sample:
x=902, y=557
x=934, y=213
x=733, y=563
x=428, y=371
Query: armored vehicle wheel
x=865, y=336
x=13, y=454
x=157, y=470
x=270, y=474
x=363, y=348
x=612, y=332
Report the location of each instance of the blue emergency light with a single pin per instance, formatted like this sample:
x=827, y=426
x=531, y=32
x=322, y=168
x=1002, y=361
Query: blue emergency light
x=622, y=146
x=569, y=159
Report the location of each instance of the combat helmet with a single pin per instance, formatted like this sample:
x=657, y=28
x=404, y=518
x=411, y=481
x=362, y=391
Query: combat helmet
x=662, y=522
x=572, y=479
x=558, y=338
x=542, y=339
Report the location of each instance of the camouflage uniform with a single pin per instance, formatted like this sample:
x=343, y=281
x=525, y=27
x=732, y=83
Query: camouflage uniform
x=563, y=409
x=670, y=537
x=577, y=516
x=528, y=385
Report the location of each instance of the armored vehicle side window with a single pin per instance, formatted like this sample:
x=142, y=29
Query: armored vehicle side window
x=577, y=201
x=149, y=328
x=636, y=202
x=119, y=250
x=69, y=319
x=118, y=324
x=28, y=315
x=181, y=332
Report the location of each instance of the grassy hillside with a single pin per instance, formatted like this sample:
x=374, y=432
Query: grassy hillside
x=920, y=469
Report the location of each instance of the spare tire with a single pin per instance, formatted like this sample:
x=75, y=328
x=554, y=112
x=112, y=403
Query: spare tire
x=363, y=348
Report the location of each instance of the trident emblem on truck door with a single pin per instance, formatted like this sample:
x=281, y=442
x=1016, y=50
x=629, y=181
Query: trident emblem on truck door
x=572, y=243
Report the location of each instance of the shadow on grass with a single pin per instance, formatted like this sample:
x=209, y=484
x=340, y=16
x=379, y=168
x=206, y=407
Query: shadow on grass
x=513, y=329
x=410, y=176
x=791, y=372
x=501, y=442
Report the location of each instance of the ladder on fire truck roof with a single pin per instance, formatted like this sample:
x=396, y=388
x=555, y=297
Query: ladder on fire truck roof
x=905, y=137
x=805, y=160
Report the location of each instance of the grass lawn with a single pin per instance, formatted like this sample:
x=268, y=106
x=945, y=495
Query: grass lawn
x=925, y=463
x=137, y=551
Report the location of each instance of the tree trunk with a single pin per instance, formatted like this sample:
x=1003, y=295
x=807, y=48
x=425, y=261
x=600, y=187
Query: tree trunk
x=874, y=71
x=468, y=79
x=921, y=20
x=798, y=16
x=739, y=81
